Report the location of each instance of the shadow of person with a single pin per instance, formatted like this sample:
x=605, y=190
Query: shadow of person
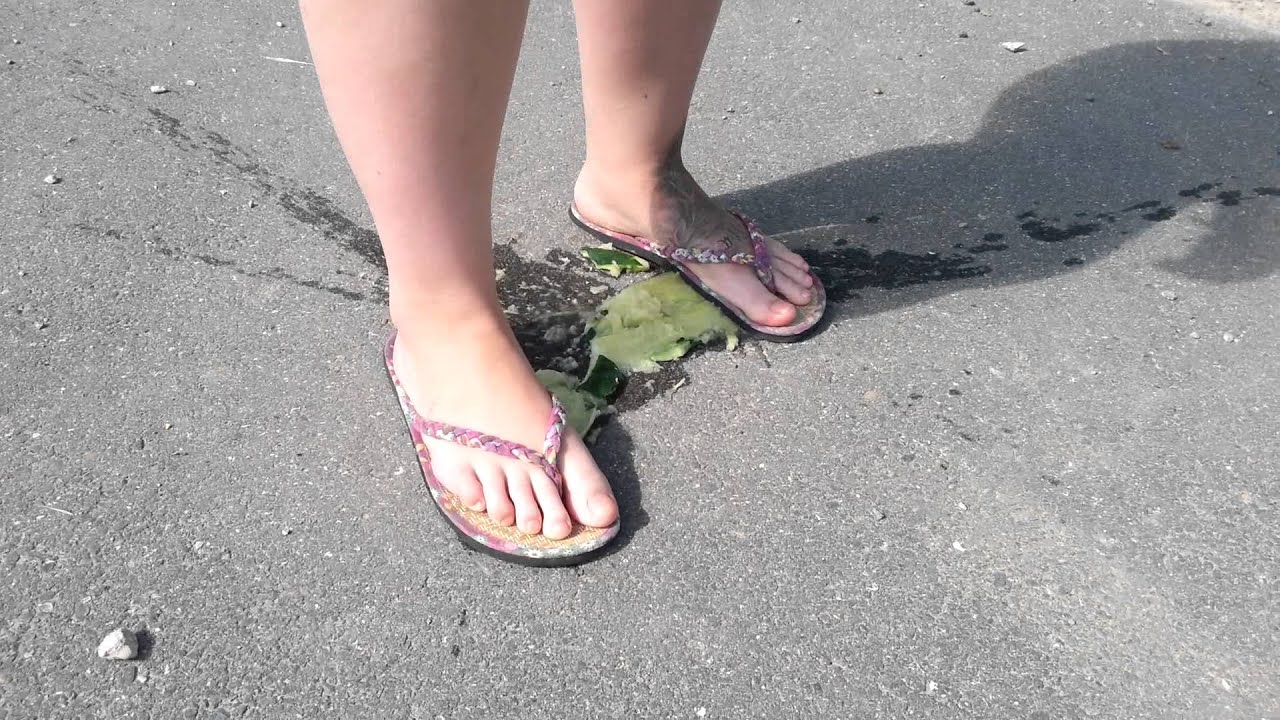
x=1069, y=162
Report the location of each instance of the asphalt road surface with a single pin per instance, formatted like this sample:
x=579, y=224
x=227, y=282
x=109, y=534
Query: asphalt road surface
x=1029, y=471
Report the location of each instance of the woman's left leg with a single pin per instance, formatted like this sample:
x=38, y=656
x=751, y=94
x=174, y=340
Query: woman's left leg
x=640, y=61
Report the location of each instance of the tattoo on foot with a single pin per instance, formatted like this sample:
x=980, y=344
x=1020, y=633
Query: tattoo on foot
x=686, y=214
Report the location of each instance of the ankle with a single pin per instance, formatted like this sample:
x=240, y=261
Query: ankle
x=630, y=185
x=446, y=318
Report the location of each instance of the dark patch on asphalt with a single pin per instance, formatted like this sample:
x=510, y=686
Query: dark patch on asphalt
x=1198, y=191
x=311, y=208
x=871, y=219
x=548, y=305
x=1042, y=230
x=275, y=273
x=169, y=126
x=988, y=247
x=1229, y=198
x=303, y=204
x=1142, y=205
x=844, y=271
x=643, y=387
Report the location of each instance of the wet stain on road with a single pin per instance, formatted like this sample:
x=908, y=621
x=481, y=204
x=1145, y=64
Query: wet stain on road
x=1044, y=230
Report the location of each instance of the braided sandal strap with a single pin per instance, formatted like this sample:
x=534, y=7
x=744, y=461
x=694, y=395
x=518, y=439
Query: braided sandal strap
x=547, y=460
x=759, y=258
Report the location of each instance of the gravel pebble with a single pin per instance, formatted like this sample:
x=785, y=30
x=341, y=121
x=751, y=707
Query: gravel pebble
x=159, y=89
x=556, y=334
x=119, y=644
x=1014, y=47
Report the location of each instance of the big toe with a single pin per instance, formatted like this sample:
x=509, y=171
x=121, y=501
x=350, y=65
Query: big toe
x=587, y=495
x=770, y=310
x=742, y=288
x=461, y=480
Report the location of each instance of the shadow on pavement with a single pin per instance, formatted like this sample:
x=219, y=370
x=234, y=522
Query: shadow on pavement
x=1067, y=164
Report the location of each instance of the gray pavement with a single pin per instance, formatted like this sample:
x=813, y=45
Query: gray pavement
x=1028, y=472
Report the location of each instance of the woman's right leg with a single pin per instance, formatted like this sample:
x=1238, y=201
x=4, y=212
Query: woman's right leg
x=417, y=92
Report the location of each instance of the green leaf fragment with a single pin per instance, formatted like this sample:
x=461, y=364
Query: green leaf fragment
x=582, y=409
x=614, y=262
x=657, y=320
x=604, y=378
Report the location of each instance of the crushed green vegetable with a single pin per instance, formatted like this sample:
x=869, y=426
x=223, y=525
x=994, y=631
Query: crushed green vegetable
x=614, y=262
x=604, y=379
x=652, y=321
x=657, y=320
x=582, y=408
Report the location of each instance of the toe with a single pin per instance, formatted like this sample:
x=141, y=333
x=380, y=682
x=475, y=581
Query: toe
x=587, y=494
x=528, y=517
x=461, y=480
x=740, y=286
x=496, y=499
x=801, y=276
x=555, y=519
x=782, y=254
x=792, y=290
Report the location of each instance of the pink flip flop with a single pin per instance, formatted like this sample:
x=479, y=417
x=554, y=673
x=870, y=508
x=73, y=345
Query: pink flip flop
x=678, y=259
x=476, y=529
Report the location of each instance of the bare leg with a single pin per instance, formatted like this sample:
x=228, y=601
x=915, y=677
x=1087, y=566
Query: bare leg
x=640, y=60
x=417, y=92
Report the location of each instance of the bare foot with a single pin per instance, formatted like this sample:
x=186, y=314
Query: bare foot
x=473, y=374
x=668, y=207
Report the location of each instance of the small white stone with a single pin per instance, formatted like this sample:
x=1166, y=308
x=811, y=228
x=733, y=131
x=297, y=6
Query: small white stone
x=1228, y=337
x=1195, y=335
x=957, y=546
x=1169, y=295
x=700, y=712
x=52, y=179
x=119, y=644
x=189, y=83
x=597, y=289
x=279, y=24
x=159, y=89
x=1014, y=47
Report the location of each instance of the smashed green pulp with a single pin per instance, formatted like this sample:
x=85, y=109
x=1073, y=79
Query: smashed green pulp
x=653, y=321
